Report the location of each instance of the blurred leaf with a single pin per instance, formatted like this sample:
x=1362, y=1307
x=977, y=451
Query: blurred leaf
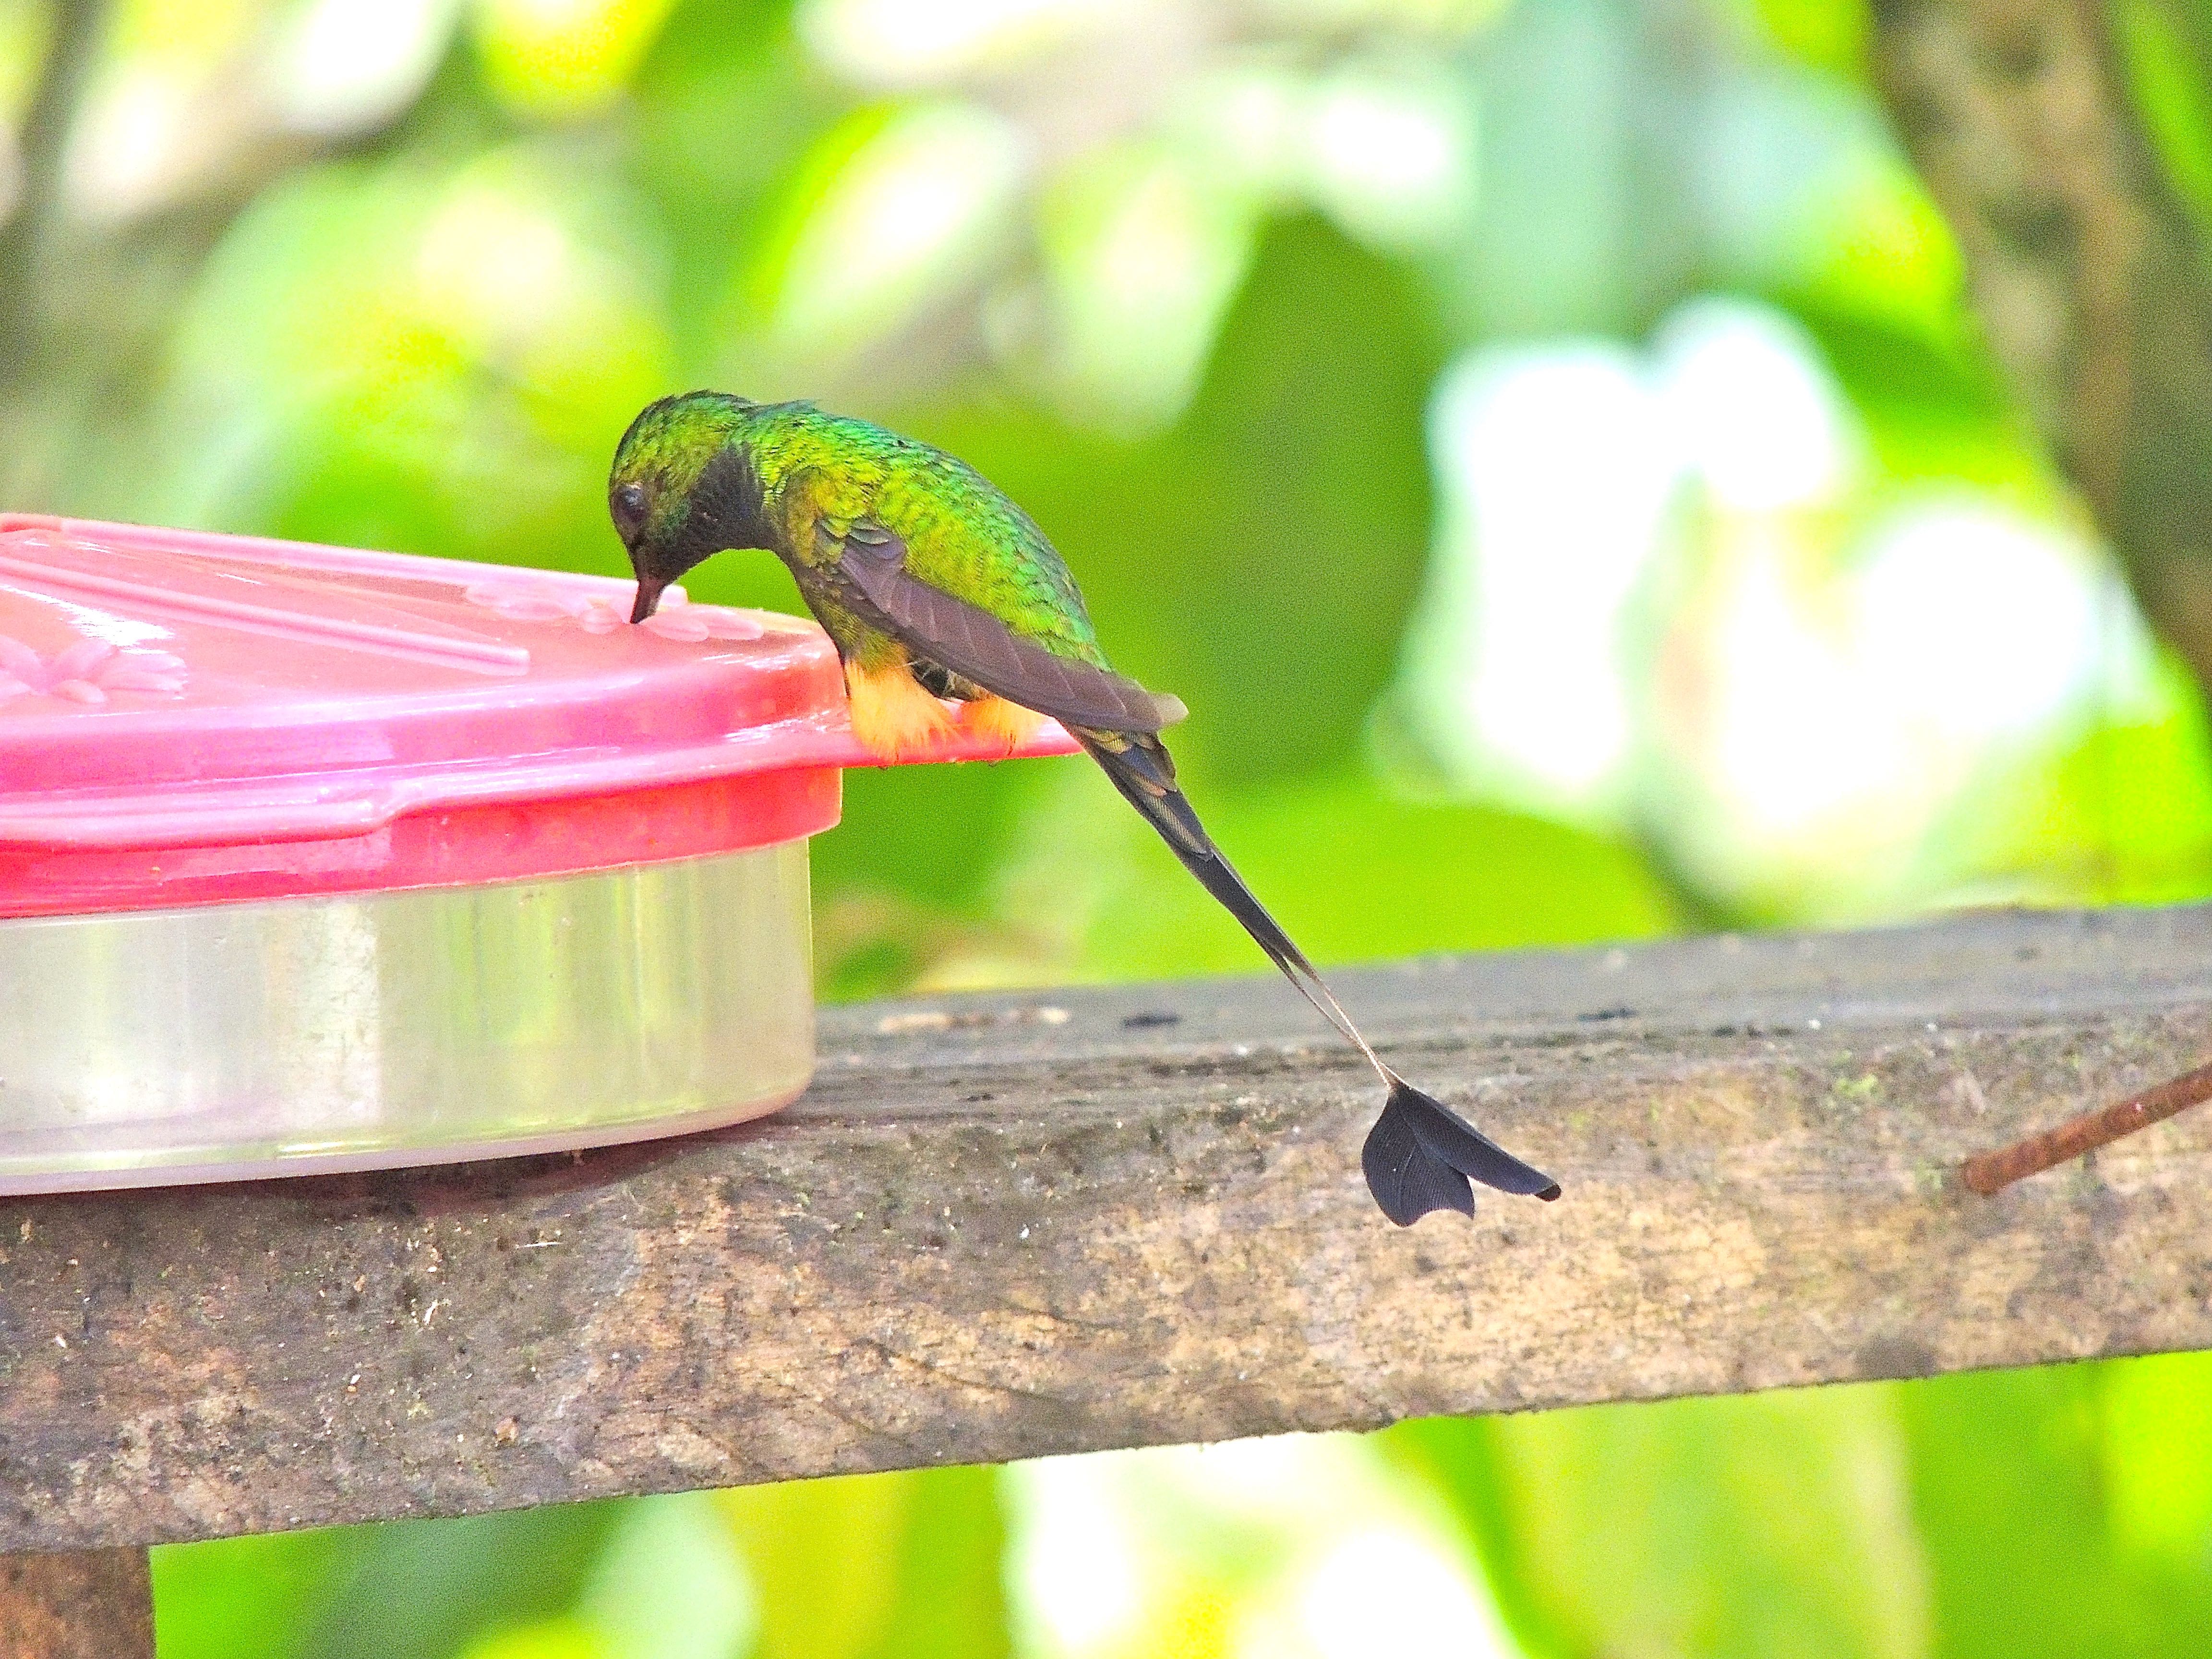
x=419, y=1589
x=1142, y=244
x=670, y=1584
x=952, y=1601
x=725, y=110
x=424, y=1588
x=563, y=57
x=1259, y=559
x=1772, y=1525
x=880, y=1567
x=2158, y=1461
x=1881, y=252
x=1459, y=1458
x=2121, y=816
x=1206, y=575
x=2008, y=1484
x=24, y=28
x=553, y=1638
x=896, y=210
x=1830, y=34
x=1356, y=875
x=439, y=362
x=248, y=1598
x=2161, y=51
x=1933, y=408
x=929, y=834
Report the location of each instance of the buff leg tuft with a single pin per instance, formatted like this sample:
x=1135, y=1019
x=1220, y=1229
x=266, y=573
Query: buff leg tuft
x=1005, y=726
x=893, y=715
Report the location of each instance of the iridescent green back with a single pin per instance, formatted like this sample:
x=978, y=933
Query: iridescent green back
x=963, y=537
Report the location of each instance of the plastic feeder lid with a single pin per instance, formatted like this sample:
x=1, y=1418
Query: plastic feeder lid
x=188, y=718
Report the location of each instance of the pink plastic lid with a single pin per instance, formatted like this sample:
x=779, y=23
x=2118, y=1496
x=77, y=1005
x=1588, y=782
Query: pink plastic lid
x=187, y=719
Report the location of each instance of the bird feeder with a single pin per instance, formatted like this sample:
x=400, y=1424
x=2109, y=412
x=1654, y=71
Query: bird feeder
x=315, y=859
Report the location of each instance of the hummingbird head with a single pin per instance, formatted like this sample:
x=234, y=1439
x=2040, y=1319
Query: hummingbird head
x=683, y=487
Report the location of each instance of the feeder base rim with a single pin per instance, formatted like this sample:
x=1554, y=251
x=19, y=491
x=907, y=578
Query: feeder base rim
x=305, y=1165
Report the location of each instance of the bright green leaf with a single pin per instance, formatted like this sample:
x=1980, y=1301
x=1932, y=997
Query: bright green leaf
x=1771, y=1526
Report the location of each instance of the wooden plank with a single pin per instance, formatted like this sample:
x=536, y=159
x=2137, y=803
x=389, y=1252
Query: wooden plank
x=87, y=1604
x=1016, y=1226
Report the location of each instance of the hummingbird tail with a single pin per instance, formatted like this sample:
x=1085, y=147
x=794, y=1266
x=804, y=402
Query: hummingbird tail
x=1420, y=1155
x=1141, y=769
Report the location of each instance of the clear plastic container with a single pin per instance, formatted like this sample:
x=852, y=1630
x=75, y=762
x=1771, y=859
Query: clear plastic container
x=316, y=860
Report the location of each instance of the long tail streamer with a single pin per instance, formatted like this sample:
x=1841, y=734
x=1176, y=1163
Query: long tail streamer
x=1421, y=1155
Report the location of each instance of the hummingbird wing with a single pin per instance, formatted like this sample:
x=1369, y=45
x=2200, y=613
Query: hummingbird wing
x=979, y=647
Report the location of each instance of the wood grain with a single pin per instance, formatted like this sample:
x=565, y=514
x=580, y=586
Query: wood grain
x=1009, y=1226
x=88, y=1604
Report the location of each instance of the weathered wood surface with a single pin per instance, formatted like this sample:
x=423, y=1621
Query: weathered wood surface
x=89, y=1604
x=1011, y=1232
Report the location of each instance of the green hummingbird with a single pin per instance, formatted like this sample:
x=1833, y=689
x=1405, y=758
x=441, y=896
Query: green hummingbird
x=948, y=605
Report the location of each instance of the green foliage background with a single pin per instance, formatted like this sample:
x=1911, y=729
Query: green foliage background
x=302, y=342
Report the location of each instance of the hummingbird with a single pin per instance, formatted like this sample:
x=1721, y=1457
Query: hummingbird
x=949, y=607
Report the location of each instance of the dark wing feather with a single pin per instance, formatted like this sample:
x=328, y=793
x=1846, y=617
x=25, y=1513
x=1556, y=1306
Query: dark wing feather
x=976, y=645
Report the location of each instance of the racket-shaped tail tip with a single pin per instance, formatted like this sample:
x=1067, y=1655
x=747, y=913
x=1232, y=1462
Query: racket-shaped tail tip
x=1422, y=1155
x=1406, y=1180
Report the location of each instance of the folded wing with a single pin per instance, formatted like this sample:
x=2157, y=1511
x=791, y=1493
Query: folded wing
x=979, y=647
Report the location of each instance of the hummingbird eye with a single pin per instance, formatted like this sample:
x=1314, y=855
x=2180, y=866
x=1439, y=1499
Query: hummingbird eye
x=626, y=504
